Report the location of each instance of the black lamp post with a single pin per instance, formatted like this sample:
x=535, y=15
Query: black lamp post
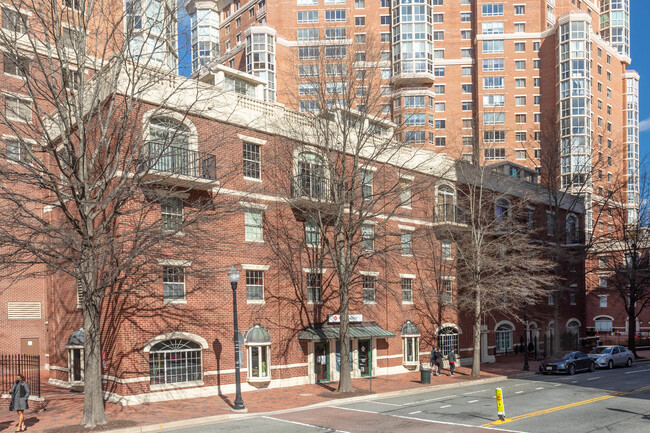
x=526, y=367
x=233, y=277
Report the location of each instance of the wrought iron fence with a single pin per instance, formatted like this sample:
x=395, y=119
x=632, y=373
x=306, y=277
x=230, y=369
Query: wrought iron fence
x=179, y=161
x=311, y=186
x=27, y=365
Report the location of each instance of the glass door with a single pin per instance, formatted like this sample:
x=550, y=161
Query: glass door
x=321, y=362
x=365, y=357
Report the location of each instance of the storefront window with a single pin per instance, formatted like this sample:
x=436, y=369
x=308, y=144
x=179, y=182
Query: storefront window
x=258, y=349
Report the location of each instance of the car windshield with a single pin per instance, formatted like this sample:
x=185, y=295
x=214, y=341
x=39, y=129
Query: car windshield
x=601, y=350
x=561, y=356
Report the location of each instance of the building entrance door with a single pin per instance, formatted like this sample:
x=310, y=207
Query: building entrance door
x=75, y=374
x=321, y=362
x=365, y=357
x=29, y=346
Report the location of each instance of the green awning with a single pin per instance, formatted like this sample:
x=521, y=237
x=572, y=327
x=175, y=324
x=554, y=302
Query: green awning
x=363, y=330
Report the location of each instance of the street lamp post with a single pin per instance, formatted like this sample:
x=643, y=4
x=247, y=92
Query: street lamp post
x=526, y=367
x=233, y=277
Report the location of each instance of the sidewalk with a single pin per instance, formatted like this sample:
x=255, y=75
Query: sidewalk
x=64, y=409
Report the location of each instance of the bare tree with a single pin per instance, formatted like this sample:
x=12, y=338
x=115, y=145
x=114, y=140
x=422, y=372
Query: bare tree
x=345, y=181
x=86, y=182
x=571, y=190
x=490, y=226
x=620, y=256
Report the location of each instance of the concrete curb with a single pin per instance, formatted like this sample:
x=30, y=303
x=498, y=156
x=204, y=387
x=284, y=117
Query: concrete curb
x=195, y=422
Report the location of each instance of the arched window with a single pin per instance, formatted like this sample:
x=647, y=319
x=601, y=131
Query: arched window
x=502, y=209
x=571, y=229
x=445, y=204
x=258, y=349
x=169, y=146
x=573, y=326
x=175, y=361
x=447, y=340
x=603, y=324
x=310, y=179
x=169, y=132
x=410, y=344
x=504, y=337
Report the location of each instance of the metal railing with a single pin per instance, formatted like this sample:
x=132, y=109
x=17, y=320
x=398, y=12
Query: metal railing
x=311, y=187
x=448, y=214
x=27, y=365
x=178, y=161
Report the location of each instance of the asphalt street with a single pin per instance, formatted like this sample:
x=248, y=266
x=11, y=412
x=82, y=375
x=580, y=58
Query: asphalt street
x=604, y=401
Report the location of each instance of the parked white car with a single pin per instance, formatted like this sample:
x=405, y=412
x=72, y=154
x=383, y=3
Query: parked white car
x=611, y=356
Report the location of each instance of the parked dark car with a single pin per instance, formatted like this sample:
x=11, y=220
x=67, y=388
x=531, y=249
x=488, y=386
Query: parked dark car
x=567, y=362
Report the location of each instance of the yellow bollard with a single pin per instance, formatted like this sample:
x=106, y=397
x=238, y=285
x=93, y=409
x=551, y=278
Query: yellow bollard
x=500, y=409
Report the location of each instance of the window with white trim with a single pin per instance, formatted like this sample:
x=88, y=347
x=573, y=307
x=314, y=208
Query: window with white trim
x=406, y=239
x=314, y=284
x=504, y=337
x=254, y=285
x=603, y=324
x=368, y=237
x=603, y=301
x=368, y=289
x=447, y=340
x=18, y=151
x=407, y=289
x=14, y=21
x=173, y=283
x=253, y=225
x=175, y=361
x=252, y=161
x=18, y=108
x=312, y=232
x=171, y=214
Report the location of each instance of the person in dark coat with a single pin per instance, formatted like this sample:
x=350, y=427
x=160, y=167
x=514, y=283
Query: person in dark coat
x=439, y=362
x=432, y=357
x=452, y=361
x=19, y=395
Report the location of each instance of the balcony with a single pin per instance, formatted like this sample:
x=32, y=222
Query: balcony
x=178, y=166
x=310, y=192
x=448, y=216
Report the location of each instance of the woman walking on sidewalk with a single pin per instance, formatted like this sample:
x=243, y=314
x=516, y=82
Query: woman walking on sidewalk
x=19, y=396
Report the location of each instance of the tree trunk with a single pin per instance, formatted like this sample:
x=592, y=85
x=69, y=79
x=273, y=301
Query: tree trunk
x=345, y=379
x=631, y=331
x=476, y=358
x=94, y=414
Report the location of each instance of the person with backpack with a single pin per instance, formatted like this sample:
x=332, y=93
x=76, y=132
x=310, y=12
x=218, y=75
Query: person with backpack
x=19, y=395
x=452, y=361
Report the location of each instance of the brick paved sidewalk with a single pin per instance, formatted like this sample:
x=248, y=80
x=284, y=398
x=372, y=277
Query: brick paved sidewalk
x=64, y=409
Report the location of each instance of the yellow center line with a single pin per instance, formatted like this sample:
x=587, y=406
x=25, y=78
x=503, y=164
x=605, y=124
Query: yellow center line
x=566, y=406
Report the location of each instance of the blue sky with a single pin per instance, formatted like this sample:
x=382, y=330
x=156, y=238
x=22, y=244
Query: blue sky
x=639, y=43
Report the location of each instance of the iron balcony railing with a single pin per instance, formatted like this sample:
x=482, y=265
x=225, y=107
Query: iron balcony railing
x=448, y=214
x=311, y=186
x=178, y=161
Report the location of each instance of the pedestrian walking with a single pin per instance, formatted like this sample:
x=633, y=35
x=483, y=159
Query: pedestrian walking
x=452, y=361
x=19, y=396
x=432, y=357
x=439, y=362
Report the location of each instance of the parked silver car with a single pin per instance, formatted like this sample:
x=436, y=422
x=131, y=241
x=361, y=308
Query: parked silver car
x=611, y=356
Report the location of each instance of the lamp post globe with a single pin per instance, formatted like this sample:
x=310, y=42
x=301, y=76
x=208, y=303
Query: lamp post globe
x=233, y=277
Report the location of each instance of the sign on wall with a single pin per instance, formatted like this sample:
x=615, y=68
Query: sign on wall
x=336, y=318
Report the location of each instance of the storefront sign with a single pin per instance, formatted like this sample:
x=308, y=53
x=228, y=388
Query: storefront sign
x=336, y=318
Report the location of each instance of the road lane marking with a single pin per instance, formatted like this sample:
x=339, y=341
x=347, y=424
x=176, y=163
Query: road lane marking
x=574, y=381
x=447, y=405
x=539, y=388
x=475, y=392
x=413, y=413
x=387, y=404
x=558, y=384
x=430, y=399
x=431, y=421
x=304, y=425
x=566, y=406
x=594, y=378
x=637, y=371
x=472, y=401
x=519, y=392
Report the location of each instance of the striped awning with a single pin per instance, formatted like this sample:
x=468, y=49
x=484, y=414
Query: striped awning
x=357, y=330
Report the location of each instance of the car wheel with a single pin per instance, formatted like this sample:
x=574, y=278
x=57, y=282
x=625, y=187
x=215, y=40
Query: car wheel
x=629, y=362
x=610, y=364
x=592, y=367
x=572, y=369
